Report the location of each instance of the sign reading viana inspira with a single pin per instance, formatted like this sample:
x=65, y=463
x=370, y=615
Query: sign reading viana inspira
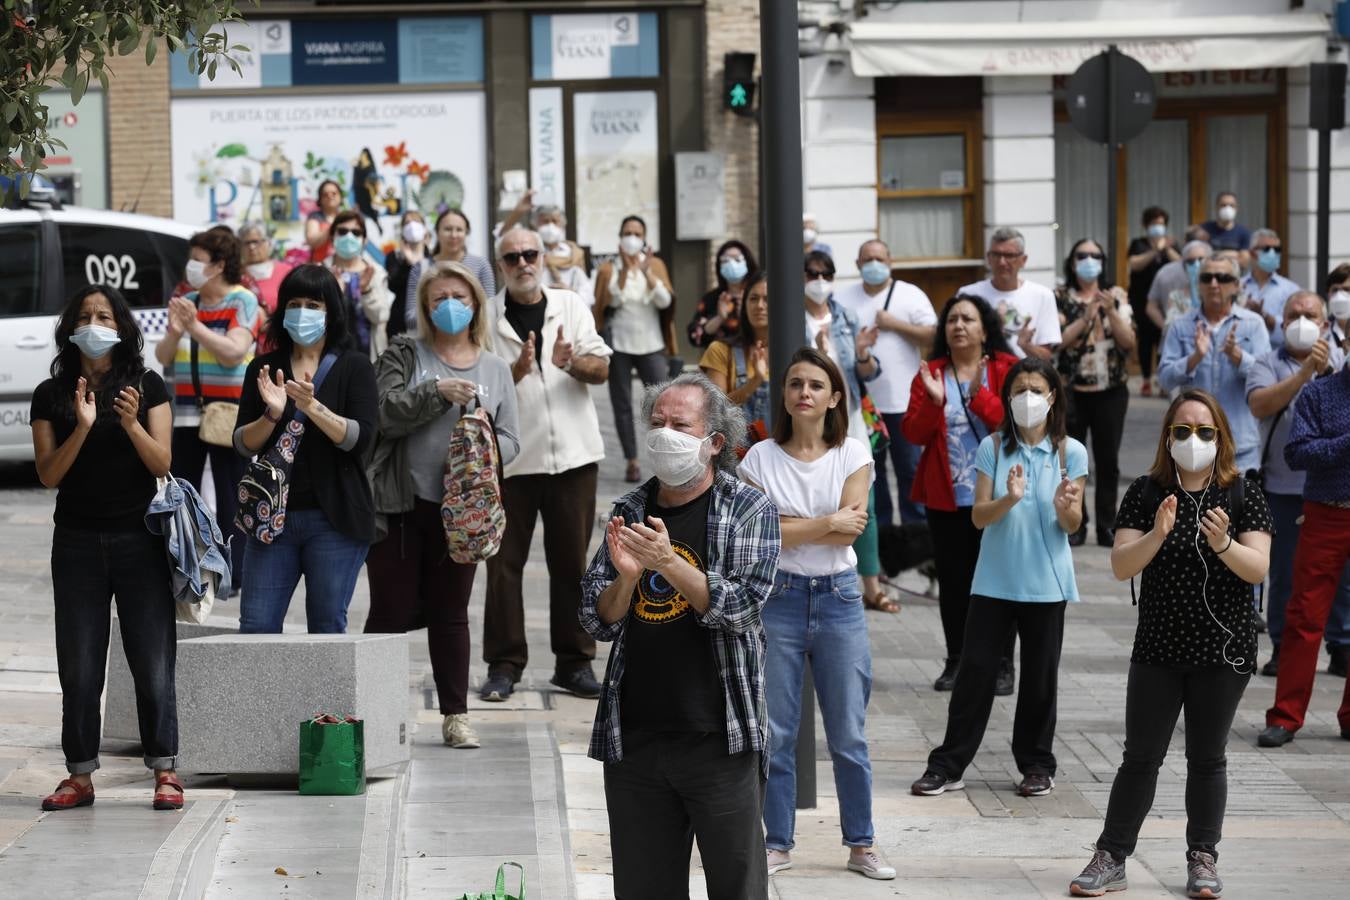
x=242, y=158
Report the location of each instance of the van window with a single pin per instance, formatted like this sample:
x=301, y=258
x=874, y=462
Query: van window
x=122, y=258
x=20, y=269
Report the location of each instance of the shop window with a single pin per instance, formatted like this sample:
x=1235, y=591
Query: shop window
x=20, y=269
x=1235, y=155
x=926, y=192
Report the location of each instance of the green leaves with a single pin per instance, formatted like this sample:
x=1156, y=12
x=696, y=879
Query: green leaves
x=231, y=150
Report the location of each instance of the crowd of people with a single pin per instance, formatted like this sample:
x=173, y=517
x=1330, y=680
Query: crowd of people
x=754, y=545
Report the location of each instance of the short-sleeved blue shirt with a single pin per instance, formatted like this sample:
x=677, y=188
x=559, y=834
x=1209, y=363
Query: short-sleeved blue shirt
x=1025, y=555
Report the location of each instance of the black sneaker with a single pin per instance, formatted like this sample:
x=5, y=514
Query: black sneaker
x=1202, y=878
x=934, y=783
x=1036, y=784
x=947, y=679
x=1259, y=622
x=579, y=683
x=497, y=687
x=1006, y=679
x=1272, y=668
x=1338, y=658
x=1100, y=875
x=1106, y=537
x=1274, y=736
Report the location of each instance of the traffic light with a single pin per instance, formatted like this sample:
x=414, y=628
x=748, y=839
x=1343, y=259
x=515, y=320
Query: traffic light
x=738, y=83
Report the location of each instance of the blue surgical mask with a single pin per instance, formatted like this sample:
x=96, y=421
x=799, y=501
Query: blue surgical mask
x=347, y=246
x=95, y=341
x=733, y=270
x=1088, y=269
x=875, y=272
x=1268, y=259
x=451, y=315
x=305, y=326
x=1157, y=230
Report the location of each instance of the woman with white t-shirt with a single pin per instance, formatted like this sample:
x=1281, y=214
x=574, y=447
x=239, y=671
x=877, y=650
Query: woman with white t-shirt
x=819, y=478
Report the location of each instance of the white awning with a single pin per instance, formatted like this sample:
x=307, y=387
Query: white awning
x=1058, y=48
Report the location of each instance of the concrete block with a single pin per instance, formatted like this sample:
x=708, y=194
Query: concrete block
x=242, y=697
x=843, y=209
x=841, y=120
x=839, y=164
x=1019, y=115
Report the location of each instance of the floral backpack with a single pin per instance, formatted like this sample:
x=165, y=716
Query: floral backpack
x=471, y=510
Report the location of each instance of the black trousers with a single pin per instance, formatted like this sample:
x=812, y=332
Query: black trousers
x=1103, y=414
x=956, y=547
x=1147, y=337
x=670, y=789
x=1041, y=627
x=1154, y=699
x=89, y=568
x=652, y=368
x=566, y=503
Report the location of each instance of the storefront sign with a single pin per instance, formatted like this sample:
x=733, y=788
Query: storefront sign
x=79, y=170
x=1206, y=83
x=239, y=158
x=700, y=196
x=595, y=45
x=548, y=173
x=615, y=149
x=344, y=51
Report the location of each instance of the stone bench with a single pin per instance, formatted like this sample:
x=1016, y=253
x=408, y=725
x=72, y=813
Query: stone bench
x=242, y=697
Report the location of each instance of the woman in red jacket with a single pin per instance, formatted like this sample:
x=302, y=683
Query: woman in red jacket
x=953, y=405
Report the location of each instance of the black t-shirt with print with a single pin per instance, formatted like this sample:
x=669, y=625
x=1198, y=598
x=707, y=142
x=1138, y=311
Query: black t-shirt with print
x=670, y=678
x=1175, y=627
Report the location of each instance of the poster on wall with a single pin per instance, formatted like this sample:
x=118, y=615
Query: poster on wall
x=548, y=174
x=615, y=152
x=242, y=158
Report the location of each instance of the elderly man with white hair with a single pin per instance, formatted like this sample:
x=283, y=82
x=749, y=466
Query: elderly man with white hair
x=1213, y=348
x=688, y=561
x=548, y=336
x=1265, y=291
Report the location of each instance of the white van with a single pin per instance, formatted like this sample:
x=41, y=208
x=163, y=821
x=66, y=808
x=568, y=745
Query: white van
x=49, y=252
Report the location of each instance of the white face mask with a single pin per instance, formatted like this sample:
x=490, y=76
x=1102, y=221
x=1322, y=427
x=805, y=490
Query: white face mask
x=1340, y=305
x=631, y=244
x=260, y=271
x=1227, y=212
x=809, y=236
x=818, y=290
x=677, y=458
x=1301, y=334
x=414, y=232
x=195, y=273
x=1193, y=454
x=551, y=233
x=1030, y=409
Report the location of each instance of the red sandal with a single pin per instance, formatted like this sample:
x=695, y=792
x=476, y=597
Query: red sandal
x=168, y=799
x=82, y=796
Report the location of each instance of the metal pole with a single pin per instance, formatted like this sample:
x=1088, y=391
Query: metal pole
x=780, y=193
x=1112, y=54
x=1323, y=208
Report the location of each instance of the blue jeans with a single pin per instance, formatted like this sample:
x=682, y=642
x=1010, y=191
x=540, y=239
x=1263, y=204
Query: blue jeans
x=1285, y=510
x=309, y=546
x=821, y=618
x=905, y=458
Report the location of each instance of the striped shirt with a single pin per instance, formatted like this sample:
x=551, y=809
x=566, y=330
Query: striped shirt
x=743, y=547
x=238, y=309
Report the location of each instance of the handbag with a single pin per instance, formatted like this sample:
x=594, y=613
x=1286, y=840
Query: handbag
x=332, y=755
x=263, y=489
x=218, y=417
x=499, y=892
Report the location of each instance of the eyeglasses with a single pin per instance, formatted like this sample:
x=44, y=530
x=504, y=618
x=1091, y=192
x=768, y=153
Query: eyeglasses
x=514, y=257
x=1006, y=257
x=343, y=231
x=812, y=276
x=1220, y=277
x=1264, y=248
x=1206, y=433
x=1084, y=254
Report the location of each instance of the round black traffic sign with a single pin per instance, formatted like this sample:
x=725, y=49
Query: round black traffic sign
x=1089, y=105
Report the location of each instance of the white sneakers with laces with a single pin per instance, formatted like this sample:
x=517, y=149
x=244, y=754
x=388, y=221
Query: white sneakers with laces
x=458, y=733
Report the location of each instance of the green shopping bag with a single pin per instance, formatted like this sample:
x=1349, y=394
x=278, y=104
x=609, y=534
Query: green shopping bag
x=332, y=755
x=499, y=892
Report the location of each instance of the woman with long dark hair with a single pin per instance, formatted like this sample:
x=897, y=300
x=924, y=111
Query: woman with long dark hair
x=953, y=405
x=1028, y=500
x=1097, y=329
x=717, y=316
x=1199, y=554
x=329, y=513
x=819, y=478
x=102, y=434
x=319, y=223
x=740, y=366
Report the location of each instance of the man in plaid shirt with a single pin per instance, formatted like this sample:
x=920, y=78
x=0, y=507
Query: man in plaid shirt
x=688, y=560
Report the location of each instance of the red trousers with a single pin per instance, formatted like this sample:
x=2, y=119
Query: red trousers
x=1323, y=547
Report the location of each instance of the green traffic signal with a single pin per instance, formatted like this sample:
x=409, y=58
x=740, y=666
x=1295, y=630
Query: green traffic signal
x=738, y=96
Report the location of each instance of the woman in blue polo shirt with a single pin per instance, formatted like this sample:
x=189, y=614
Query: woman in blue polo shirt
x=1028, y=500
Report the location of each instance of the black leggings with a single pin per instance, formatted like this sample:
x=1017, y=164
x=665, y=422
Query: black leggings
x=1147, y=337
x=1154, y=699
x=1102, y=413
x=956, y=547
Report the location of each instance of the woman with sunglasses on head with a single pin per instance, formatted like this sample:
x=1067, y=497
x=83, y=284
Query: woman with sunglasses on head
x=1097, y=331
x=101, y=436
x=364, y=283
x=717, y=316
x=1028, y=500
x=319, y=223
x=1195, y=645
x=818, y=477
x=954, y=404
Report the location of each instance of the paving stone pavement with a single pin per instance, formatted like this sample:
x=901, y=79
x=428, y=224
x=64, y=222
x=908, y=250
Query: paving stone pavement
x=1289, y=809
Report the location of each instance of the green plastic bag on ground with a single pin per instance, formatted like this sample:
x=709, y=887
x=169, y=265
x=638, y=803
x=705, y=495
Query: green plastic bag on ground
x=499, y=892
x=332, y=755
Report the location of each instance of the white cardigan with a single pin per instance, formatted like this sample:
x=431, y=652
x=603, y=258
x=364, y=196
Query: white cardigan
x=559, y=430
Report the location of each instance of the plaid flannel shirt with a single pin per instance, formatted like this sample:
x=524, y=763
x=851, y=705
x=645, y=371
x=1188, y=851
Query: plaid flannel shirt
x=743, y=547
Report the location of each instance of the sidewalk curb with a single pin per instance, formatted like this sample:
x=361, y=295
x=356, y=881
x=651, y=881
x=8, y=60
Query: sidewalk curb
x=380, y=871
x=184, y=864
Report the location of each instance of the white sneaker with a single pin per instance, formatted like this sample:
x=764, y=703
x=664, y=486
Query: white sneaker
x=458, y=733
x=778, y=860
x=872, y=864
